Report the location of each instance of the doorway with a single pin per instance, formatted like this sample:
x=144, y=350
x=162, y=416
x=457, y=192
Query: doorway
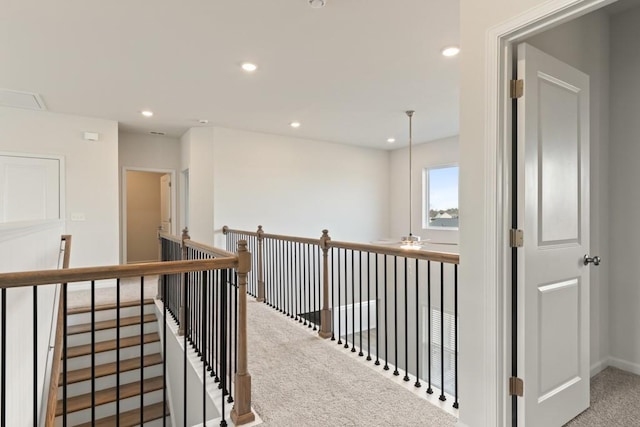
x=147, y=206
x=602, y=44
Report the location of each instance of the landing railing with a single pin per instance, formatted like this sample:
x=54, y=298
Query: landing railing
x=396, y=307
x=209, y=308
x=206, y=275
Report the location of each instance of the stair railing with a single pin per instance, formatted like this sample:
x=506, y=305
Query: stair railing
x=15, y=389
x=396, y=307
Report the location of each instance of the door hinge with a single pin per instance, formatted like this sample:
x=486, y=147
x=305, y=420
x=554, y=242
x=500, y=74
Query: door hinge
x=169, y=184
x=516, y=387
x=516, y=88
x=516, y=238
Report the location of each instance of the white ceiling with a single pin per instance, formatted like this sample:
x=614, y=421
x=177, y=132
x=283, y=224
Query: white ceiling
x=347, y=71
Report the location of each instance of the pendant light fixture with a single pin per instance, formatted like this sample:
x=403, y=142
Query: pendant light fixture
x=410, y=241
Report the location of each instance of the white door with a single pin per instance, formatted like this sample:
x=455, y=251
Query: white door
x=165, y=203
x=553, y=211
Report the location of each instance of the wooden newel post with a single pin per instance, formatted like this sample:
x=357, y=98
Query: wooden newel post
x=161, y=278
x=241, y=412
x=325, y=314
x=183, y=283
x=260, y=297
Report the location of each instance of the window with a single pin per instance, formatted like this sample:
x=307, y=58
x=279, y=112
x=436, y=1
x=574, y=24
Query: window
x=440, y=197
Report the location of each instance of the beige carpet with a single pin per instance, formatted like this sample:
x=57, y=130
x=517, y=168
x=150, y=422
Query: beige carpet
x=615, y=401
x=298, y=380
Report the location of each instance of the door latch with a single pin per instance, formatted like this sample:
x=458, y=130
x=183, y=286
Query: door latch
x=588, y=260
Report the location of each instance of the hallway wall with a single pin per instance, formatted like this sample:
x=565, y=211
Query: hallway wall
x=624, y=206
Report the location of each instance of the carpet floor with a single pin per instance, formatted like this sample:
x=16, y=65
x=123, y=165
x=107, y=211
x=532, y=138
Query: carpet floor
x=300, y=380
x=615, y=401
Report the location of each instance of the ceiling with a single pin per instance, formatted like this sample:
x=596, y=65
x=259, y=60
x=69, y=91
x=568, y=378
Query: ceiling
x=347, y=71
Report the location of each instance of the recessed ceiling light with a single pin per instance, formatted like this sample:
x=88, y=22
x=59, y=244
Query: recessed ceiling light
x=294, y=124
x=316, y=4
x=391, y=140
x=451, y=51
x=147, y=113
x=203, y=121
x=249, y=67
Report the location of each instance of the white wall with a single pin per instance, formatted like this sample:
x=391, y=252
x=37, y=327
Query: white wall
x=91, y=174
x=624, y=206
x=584, y=44
x=197, y=156
x=299, y=187
x=435, y=153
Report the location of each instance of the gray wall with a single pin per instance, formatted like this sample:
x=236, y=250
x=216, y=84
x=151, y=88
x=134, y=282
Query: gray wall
x=624, y=206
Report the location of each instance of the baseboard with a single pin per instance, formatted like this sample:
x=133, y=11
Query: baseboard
x=460, y=424
x=599, y=366
x=634, y=368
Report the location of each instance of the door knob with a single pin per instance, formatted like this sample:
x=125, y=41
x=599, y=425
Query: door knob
x=595, y=260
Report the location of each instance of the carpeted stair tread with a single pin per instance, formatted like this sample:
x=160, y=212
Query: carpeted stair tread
x=110, y=368
x=110, y=306
x=85, y=349
x=83, y=401
x=132, y=418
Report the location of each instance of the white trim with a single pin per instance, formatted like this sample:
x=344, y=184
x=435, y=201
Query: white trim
x=123, y=197
x=600, y=366
x=634, y=368
x=499, y=40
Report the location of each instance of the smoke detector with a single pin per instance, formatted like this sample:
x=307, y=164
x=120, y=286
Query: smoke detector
x=317, y=4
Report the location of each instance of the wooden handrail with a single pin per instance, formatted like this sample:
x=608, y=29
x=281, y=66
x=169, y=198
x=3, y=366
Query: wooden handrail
x=52, y=398
x=48, y=277
x=168, y=236
x=444, y=257
x=216, y=252
x=295, y=239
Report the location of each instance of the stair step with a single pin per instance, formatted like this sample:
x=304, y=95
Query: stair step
x=131, y=418
x=78, y=403
x=109, y=324
x=110, y=306
x=84, y=350
x=110, y=368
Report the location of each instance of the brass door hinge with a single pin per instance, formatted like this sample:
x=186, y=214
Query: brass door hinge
x=516, y=238
x=516, y=88
x=516, y=387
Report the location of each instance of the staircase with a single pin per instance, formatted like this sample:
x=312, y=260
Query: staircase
x=79, y=398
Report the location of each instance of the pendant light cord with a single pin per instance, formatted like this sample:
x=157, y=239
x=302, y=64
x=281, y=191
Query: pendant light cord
x=410, y=114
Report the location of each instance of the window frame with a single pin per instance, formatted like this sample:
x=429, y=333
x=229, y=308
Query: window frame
x=426, y=195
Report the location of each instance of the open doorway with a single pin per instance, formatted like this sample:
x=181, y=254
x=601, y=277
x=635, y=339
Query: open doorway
x=603, y=44
x=147, y=206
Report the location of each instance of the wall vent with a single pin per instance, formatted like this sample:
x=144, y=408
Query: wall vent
x=18, y=99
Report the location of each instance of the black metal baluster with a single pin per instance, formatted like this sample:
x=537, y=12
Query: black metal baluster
x=353, y=302
x=141, y=349
x=442, y=396
x=333, y=291
x=368, y=305
x=406, y=319
x=118, y=352
x=395, y=313
x=281, y=270
x=377, y=362
x=216, y=326
x=346, y=300
x=184, y=358
x=93, y=351
x=164, y=356
x=339, y=307
x=204, y=333
x=64, y=354
x=35, y=352
x=386, y=323
x=417, y=383
x=223, y=343
x=429, y=389
x=360, y=299
x=295, y=284
x=316, y=272
x=233, y=337
x=305, y=283
x=455, y=328
x=317, y=280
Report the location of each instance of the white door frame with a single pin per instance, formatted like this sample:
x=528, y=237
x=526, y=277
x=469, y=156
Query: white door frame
x=123, y=194
x=498, y=51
